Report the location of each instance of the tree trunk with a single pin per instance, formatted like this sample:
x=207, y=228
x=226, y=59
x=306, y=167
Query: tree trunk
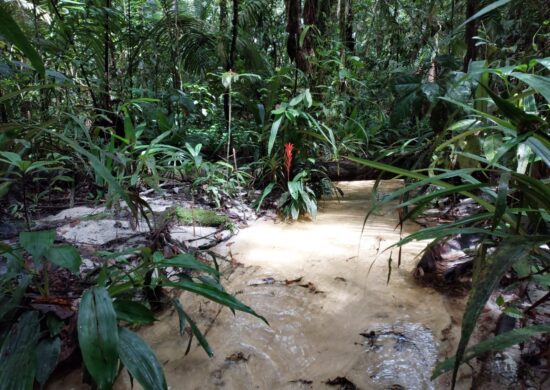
x=106, y=100
x=345, y=15
x=310, y=19
x=469, y=34
x=295, y=52
x=234, y=31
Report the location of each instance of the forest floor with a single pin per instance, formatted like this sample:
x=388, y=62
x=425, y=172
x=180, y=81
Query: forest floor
x=335, y=321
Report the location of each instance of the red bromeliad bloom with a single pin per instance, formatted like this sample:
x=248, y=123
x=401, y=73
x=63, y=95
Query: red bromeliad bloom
x=288, y=158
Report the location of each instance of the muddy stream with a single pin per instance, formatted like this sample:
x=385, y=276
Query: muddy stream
x=332, y=323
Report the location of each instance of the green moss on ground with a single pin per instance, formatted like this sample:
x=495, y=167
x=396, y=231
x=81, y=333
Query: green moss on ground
x=203, y=217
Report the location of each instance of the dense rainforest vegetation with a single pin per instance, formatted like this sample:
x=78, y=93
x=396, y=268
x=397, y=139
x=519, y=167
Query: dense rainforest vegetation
x=270, y=100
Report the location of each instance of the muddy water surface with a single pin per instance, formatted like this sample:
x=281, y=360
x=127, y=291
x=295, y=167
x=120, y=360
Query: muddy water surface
x=331, y=321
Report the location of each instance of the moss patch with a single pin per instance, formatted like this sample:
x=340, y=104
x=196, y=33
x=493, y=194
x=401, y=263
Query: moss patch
x=202, y=217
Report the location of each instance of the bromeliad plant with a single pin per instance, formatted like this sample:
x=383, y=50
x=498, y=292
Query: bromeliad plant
x=510, y=184
x=297, y=197
x=35, y=330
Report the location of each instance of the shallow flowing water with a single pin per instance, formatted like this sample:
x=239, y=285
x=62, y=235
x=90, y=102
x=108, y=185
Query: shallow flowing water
x=331, y=320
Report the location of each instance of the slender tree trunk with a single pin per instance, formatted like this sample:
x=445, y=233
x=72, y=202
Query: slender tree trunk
x=295, y=52
x=348, y=30
x=106, y=47
x=310, y=19
x=234, y=32
x=469, y=34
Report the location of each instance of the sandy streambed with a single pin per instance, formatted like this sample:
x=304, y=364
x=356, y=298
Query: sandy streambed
x=332, y=323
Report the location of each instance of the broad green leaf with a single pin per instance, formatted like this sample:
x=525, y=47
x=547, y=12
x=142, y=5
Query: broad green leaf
x=517, y=116
x=195, y=331
x=296, y=99
x=485, y=10
x=540, y=147
x=504, y=126
x=140, y=360
x=185, y=260
x=13, y=158
x=294, y=189
x=267, y=190
x=501, y=204
x=11, y=31
x=47, y=354
x=37, y=243
x=181, y=316
x=497, y=343
x=539, y=83
x=273, y=134
x=294, y=211
x=486, y=274
x=129, y=130
x=544, y=62
x=98, y=336
x=215, y=295
x=18, y=353
x=543, y=280
x=65, y=256
x=133, y=312
x=309, y=99
x=8, y=302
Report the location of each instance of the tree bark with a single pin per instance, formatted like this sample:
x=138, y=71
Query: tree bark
x=295, y=52
x=469, y=34
x=345, y=13
x=234, y=32
x=106, y=47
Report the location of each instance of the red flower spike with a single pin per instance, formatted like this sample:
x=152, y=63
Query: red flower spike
x=288, y=158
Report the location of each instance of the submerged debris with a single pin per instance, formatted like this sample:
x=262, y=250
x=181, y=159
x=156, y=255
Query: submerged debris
x=342, y=382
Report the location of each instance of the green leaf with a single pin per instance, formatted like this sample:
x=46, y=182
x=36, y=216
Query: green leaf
x=102, y=171
x=415, y=175
x=517, y=116
x=185, y=260
x=133, y=312
x=498, y=343
x=541, y=147
x=18, y=353
x=294, y=189
x=98, y=336
x=486, y=274
x=296, y=99
x=129, y=130
x=309, y=99
x=194, y=329
x=11, y=31
x=181, y=316
x=37, y=243
x=539, y=83
x=47, y=355
x=543, y=280
x=140, y=360
x=544, y=62
x=215, y=295
x=11, y=157
x=65, y=256
x=267, y=190
x=501, y=204
x=273, y=134
x=9, y=302
x=486, y=10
